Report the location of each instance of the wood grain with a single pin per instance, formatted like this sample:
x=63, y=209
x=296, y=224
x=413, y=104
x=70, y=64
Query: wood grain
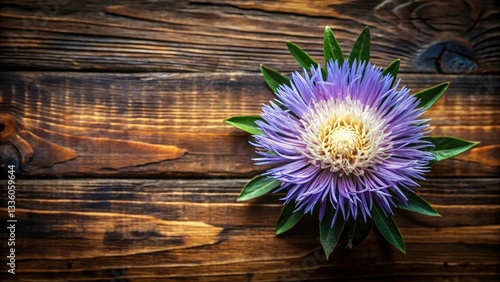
x=224, y=35
x=112, y=112
x=118, y=124
x=194, y=230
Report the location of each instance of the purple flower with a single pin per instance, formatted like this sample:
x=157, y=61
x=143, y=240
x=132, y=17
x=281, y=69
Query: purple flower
x=349, y=141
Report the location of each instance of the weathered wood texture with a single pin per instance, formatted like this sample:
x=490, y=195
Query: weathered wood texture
x=113, y=112
x=126, y=124
x=193, y=230
x=221, y=35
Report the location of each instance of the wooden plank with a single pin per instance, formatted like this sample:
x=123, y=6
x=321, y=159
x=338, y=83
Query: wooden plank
x=93, y=124
x=96, y=96
x=194, y=230
x=224, y=35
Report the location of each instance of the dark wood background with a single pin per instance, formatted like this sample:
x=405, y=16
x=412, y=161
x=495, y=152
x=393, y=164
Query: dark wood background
x=112, y=112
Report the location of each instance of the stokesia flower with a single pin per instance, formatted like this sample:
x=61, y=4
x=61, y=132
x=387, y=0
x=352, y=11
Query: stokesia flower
x=349, y=141
x=346, y=142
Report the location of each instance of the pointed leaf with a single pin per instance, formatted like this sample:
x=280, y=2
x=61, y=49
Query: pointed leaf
x=331, y=47
x=430, y=96
x=301, y=56
x=416, y=204
x=245, y=123
x=357, y=230
x=288, y=218
x=392, y=69
x=329, y=235
x=388, y=228
x=361, y=47
x=273, y=78
x=258, y=186
x=447, y=147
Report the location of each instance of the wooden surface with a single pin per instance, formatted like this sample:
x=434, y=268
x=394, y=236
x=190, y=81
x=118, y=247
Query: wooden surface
x=112, y=111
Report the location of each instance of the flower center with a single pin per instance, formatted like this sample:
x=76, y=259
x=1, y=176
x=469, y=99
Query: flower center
x=345, y=136
x=341, y=139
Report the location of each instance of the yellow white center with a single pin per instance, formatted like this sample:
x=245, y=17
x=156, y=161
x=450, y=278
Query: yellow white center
x=345, y=136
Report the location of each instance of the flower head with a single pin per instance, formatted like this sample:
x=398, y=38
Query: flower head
x=346, y=140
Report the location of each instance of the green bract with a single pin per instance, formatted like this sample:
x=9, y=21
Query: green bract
x=288, y=218
x=350, y=232
x=257, y=187
x=330, y=234
x=245, y=123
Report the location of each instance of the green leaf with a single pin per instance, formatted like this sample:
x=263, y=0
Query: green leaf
x=288, y=218
x=430, y=96
x=392, y=69
x=361, y=47
x=245, y=123
x=258, y=186
x=416, y=204
x=331, y=47
x=273, y=78
x=301, y=56
x=388, y=228
x=329, y=236
x=357, y=230
x=447, y=147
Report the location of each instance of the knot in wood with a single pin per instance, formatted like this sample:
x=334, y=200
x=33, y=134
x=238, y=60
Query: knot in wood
x=447, y=57
x=14, y=149
x=7, y=126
